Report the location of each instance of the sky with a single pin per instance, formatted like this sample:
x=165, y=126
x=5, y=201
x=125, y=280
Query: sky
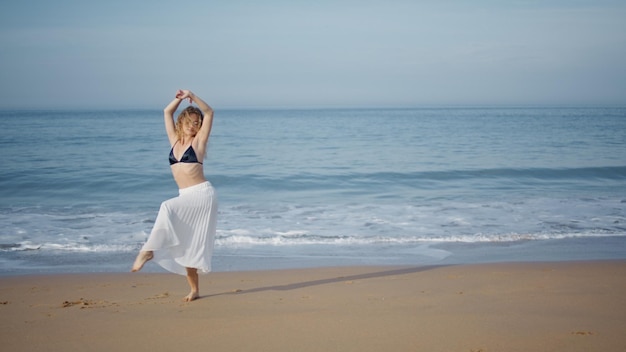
x=302, y=54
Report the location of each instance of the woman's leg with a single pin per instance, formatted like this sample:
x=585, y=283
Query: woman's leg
x=141, y=259
x=192, y=278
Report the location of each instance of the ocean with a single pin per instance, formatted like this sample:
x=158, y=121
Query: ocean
x=80, y=190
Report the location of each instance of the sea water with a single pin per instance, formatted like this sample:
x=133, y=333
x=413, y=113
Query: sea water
x=79, y=190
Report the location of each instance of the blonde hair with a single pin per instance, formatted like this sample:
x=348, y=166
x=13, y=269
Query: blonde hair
x=185, y=115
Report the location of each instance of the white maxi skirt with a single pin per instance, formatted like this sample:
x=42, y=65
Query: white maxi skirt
x=184, y=230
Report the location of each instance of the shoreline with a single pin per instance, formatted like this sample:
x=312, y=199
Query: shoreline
x=560, y=306
x=273, y=258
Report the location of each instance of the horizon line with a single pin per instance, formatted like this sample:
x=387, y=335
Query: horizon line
x=331, y=107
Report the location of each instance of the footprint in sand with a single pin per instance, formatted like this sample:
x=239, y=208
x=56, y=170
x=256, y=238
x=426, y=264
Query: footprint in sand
x=81, y=302
x=160, y=296
x=86, y=303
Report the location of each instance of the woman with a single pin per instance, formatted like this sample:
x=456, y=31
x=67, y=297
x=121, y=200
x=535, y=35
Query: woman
x=182, y=238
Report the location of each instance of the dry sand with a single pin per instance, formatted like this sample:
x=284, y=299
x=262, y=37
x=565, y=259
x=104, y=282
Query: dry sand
x=573, y=306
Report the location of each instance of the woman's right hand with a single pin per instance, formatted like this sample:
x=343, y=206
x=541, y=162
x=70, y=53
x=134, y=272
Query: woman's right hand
x=183, y=94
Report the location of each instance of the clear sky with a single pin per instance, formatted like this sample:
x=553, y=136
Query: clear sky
x=124, y=54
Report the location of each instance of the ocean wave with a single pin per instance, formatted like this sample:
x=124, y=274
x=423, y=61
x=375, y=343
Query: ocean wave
x=305, y=239
x=242, y=238
x=422, y=178
x=68, y=247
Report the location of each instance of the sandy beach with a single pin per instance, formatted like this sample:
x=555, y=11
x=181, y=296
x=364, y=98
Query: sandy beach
x=561, y=306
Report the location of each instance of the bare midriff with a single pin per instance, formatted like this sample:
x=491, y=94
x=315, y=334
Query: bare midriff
x=188, y=174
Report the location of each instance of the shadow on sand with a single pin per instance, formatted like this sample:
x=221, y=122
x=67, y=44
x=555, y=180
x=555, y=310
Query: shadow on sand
x=299, y=285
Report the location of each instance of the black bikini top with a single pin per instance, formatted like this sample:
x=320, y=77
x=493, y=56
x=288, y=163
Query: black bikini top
x=188, y=157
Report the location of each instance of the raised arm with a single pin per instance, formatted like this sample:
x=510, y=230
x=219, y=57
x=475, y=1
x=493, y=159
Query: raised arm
x=168, y=115
x=202, y=136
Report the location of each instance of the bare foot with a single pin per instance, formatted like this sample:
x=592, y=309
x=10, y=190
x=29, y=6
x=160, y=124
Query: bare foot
x=191, y=296
x=142, y=258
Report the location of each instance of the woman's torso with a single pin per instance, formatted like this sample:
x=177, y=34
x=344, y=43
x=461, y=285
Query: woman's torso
x=188, y=169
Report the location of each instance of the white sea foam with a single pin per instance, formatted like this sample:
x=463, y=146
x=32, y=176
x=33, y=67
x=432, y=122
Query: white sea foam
x=279, y=240
x=284, y=225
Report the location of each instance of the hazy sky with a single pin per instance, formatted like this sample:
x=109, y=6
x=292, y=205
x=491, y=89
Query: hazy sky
x=121, y=54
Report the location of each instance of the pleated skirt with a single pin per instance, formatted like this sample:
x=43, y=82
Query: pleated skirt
x=183, y=235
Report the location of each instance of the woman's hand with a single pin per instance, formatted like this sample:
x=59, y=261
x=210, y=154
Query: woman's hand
x=184, y=94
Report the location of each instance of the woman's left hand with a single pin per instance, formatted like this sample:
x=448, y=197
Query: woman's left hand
x=183, y=94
